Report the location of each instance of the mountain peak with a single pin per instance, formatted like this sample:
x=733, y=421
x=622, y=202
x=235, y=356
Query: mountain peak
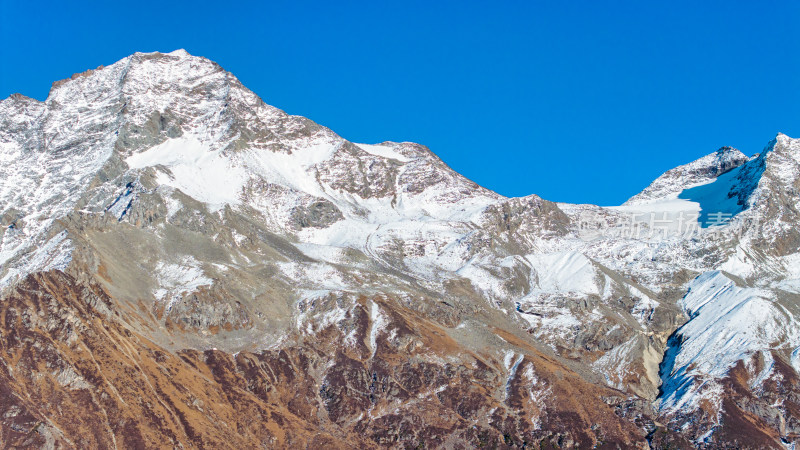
x=727, y=150
x=18, y=99
x=153, y=68
x=701, y=170
x=785, y=143
x=181, y=53
x=175, y=56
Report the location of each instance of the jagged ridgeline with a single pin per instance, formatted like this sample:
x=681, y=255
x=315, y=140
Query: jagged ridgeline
x=183, y=265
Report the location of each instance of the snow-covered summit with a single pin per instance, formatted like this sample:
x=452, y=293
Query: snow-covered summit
x=193, y=127
x=694, y=173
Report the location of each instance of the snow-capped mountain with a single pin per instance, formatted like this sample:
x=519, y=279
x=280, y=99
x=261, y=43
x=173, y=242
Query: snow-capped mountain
x=186, y=265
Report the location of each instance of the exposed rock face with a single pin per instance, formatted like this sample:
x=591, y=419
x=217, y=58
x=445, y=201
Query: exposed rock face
x=184, y=265
x=66, y=350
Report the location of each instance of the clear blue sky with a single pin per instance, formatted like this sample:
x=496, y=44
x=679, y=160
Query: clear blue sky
x=577, y=101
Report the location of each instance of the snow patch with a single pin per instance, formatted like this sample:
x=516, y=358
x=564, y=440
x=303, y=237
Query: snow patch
x=727, y=324
x=54, y=254
x=201, y=173
x=384, y=151
x=176, y=279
